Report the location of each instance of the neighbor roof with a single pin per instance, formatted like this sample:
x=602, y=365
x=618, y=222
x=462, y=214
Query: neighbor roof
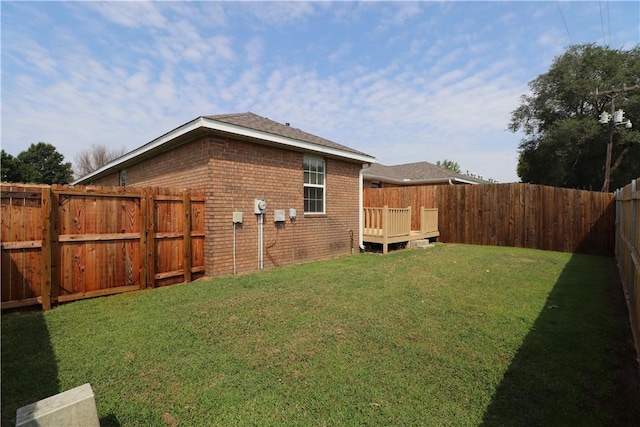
x=247, y=126
x=416, y=173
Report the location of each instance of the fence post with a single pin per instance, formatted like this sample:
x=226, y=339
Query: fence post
x=143, y=237
x=385, y=229
x=45, y=274
x=151, y=240
x=616, y=242
x=186, y=210
x=632, y=241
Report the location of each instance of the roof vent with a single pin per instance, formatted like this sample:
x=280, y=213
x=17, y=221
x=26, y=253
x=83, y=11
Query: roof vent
x=288, y=124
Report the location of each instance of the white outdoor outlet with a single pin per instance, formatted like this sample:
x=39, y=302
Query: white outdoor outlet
x=237, y=217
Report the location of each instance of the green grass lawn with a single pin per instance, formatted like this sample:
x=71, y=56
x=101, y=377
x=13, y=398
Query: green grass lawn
x=454, y=335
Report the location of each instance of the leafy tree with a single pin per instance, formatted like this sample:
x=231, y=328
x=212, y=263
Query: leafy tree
x=39, y=164
x=564, y=143
x=95, y=157
x=449, y=164
x=9, y=168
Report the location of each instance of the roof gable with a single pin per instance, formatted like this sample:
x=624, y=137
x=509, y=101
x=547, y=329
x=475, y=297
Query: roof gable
x=242, y=125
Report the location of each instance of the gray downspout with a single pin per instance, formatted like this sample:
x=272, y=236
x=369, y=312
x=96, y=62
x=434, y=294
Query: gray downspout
x=360, y=208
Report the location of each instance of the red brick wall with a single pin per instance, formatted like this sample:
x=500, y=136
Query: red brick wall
x=235, y=173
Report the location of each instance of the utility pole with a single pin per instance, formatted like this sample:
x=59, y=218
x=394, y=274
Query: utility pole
x=607, y=164
x=613, y=119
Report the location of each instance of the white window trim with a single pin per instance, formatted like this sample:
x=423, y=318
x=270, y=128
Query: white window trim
x=323, y=186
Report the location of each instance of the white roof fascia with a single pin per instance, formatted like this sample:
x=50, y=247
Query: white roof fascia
x=418, y=181
x=230, y=128
x=466, y=181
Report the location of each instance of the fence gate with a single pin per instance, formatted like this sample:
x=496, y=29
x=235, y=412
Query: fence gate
x=67, y=243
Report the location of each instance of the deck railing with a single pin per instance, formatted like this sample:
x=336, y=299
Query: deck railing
x=428, y=219
x=393, y=225
x=387, y=222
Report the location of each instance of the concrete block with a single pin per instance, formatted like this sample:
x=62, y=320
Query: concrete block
x=71, y=408
x=421, y=244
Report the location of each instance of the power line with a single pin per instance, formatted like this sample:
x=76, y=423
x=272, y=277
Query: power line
x=609, y=23
x=604, y=41
x=565, y=22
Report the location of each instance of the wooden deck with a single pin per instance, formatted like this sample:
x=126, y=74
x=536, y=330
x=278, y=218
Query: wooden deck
x=393, y=225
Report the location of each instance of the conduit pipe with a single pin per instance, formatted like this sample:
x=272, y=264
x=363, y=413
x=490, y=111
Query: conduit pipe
x=260, y=242
x=234, y=248
x=361, y=208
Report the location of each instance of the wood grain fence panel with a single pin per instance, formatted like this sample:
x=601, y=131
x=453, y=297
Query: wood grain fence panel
x=519, y=215
x=45, y=255
x=151, y=219
x=21, y=241
x=186, y=227
x=627, y=243
x=560, y=221
x=456, y=204
x=468, y=218
x=96, y=241
x=197, y=233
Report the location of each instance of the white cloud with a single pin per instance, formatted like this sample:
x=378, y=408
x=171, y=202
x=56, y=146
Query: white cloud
x=280, y=13
x=254, y=49
x=343, y=50
x=405, y=11
x=134, y=14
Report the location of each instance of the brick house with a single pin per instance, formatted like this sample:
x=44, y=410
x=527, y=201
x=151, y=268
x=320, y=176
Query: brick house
x=241, y=158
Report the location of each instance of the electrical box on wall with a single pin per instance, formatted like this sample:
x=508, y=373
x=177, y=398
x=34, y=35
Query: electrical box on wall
x=237, y=217
x=292, y=214
x=278, y=215
x=260, y=207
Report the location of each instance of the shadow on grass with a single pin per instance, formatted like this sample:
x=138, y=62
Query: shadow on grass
x=109, y=421
x=29, y=369
x=577, y=365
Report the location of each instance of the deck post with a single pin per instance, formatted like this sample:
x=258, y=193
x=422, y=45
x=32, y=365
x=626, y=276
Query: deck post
x=385, y=229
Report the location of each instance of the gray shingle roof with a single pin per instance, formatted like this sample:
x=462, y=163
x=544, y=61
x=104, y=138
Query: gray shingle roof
x=253, y=121
x=419, y=171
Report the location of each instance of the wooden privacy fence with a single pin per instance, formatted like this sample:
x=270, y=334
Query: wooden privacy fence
x=518, y=215
x=67, y=243
x=627, y=253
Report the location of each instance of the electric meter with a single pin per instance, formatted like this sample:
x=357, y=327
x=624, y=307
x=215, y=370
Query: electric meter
x=260, y=206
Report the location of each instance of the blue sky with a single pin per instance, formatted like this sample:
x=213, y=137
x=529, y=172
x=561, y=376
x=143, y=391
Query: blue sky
x=402, y=81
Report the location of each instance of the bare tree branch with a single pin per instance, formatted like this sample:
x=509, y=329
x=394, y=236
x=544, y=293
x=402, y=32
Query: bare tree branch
x=94, y=157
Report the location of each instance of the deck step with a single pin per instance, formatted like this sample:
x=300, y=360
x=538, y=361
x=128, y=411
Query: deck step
x=421, y=244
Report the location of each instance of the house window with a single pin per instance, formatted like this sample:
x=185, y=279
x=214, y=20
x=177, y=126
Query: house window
x=314, y=173
x=123, y=178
